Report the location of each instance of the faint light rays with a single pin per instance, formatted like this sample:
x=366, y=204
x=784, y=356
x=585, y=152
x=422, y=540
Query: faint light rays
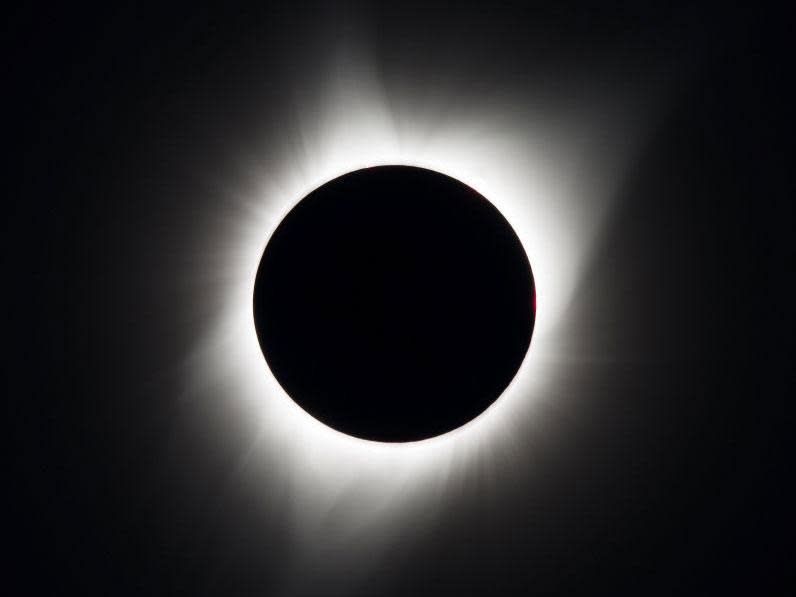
x=548, y=177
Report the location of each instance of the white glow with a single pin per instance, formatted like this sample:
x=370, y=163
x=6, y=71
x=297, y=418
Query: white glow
x=551, y=178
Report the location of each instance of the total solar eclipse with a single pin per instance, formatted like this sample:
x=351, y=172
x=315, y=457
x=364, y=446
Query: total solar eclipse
x=394, y=303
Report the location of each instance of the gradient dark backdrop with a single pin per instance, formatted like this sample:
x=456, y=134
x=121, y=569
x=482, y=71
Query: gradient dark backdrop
x=670, y=480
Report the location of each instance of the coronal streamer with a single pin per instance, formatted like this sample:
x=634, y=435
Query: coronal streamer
x=550, y=170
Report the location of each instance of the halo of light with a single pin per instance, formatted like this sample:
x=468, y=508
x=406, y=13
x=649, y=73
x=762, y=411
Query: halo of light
x=551, y=178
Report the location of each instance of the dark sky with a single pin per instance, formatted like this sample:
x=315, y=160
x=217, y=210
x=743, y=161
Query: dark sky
x=665, y=473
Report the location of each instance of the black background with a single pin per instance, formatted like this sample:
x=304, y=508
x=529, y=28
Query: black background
x=671, y=477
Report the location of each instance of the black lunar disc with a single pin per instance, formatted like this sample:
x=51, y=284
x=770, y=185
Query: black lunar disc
x=394, y=303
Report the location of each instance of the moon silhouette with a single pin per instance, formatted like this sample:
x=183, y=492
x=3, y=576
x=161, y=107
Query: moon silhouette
x=394, y=303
